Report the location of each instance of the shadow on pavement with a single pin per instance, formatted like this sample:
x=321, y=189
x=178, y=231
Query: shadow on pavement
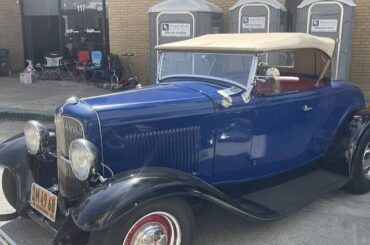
x=25, y=231
x=339, y=218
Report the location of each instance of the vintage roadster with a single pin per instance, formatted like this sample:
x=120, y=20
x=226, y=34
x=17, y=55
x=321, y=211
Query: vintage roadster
x=251, y=123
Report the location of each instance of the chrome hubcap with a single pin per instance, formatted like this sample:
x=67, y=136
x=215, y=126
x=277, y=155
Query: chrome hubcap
x=157, y=228
x=151, y=233
x=366, y=162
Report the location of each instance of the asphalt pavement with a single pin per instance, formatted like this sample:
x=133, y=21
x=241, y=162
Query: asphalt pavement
x=339, y=218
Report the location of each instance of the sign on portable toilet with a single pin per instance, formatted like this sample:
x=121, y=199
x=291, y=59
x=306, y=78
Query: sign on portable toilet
x=333, y=19
x=257, y=16
x=177, y=20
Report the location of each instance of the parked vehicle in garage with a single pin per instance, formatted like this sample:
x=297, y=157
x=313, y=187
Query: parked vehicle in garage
x=251, y=123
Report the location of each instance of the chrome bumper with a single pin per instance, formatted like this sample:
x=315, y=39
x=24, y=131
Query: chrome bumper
x=5, y=239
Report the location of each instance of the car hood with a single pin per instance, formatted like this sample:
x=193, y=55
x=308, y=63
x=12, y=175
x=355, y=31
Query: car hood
x=174, y=113
x=153, y=103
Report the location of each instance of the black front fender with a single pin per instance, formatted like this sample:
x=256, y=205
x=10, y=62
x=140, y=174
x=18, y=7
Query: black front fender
x=126, y=192
x=15, y=158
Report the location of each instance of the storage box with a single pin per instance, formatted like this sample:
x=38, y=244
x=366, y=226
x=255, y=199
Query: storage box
x=25, y=77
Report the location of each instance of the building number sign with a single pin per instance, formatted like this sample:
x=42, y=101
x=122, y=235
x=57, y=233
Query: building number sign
x=81, y=8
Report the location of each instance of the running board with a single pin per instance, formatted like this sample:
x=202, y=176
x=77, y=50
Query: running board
x=294, y=194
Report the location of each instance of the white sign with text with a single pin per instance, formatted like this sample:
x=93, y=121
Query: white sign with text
x=175, y=30
x=324, y=25
x=254, y=23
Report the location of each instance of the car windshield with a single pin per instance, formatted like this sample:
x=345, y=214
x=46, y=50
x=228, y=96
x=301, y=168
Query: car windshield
x=239, y=68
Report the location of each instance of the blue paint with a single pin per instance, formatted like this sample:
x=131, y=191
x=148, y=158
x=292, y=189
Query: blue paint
x=181, y=125
x=161, y=118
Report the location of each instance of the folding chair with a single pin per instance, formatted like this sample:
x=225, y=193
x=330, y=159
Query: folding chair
x=95, y=67
x=52, y=65
x=5, y=61
x=96, y=59
x=82, y=65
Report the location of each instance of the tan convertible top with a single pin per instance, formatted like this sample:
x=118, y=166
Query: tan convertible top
x=256, y=42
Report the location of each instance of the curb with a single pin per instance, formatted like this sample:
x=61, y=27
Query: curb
x=24, y=115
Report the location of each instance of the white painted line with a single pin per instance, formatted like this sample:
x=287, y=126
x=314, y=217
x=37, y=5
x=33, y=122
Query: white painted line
x=5, y=239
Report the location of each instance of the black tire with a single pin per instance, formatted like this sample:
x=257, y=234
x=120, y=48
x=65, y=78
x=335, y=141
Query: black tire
x=359, y=183
x=178, y=208
x=9, y=187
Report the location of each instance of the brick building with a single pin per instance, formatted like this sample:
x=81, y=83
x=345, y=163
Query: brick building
x=360, y=62
x=11, y=31
x=129, y=32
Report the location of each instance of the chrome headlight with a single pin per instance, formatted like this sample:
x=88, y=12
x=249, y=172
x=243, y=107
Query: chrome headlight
x=36, y=137
x=84, y=158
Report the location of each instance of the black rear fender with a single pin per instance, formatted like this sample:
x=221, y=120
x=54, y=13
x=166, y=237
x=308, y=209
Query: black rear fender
x=359, y=125
x=339, y=156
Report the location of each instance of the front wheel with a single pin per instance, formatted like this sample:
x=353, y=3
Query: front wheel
x=164, y=222
x=360, y=182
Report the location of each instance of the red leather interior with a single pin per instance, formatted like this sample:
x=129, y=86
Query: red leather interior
x=285, y=84
x=296, y=84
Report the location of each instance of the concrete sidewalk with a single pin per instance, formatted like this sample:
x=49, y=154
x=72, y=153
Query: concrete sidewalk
x=39, y=99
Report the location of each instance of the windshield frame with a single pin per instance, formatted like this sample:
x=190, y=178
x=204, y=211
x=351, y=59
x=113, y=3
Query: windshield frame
x=250, y=80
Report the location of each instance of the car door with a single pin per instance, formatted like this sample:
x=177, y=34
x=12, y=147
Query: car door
x=282, y=130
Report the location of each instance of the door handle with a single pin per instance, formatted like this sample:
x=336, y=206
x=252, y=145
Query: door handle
x=306, y=108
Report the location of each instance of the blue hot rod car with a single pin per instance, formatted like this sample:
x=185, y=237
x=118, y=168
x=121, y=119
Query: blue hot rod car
x=252, y=123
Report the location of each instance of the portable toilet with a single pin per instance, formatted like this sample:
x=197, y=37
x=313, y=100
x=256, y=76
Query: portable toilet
x=177, y=20
x=257, y=16
x=333, y=19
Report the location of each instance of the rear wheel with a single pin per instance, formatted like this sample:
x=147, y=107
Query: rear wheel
x=360, y=182
x=164, y=222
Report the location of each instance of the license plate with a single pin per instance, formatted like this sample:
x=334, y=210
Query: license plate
x=44, y=201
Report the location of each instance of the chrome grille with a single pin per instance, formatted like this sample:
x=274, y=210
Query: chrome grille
x=67, y=130
x=69, y=185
